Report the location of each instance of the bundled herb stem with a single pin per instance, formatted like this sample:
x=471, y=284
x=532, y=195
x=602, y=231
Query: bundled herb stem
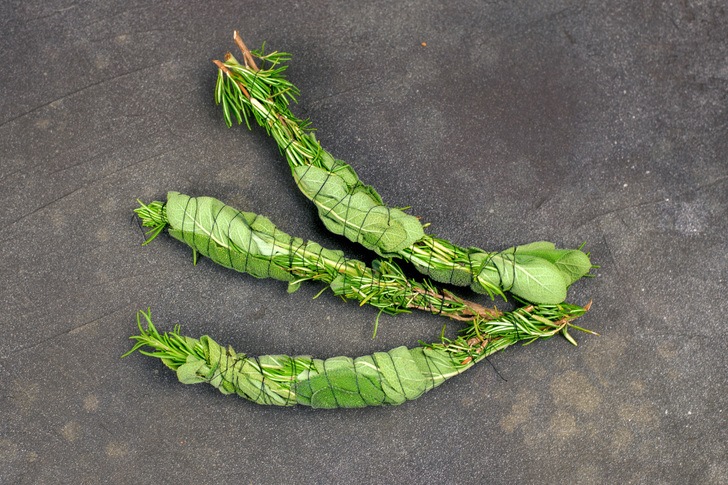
x=383, y=378
x=252, y=244
x=536, y=272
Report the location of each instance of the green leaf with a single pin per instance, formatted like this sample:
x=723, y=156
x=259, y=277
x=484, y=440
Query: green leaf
x=572, y=263
x=357, y=214
x=332, y=384
x=530, y=278
x=239, y=240
x=188, y=373
x=408, y=374
x=382, y=378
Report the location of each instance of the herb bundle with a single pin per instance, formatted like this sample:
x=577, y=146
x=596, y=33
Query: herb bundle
x=383, y=378
x=250, y=243
x=536, y=272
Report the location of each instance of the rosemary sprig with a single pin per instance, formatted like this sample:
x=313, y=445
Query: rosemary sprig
x=536, y=272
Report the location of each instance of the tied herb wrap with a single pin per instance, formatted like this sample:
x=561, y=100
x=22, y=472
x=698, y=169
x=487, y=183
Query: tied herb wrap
x=250, y=243
x=383, y=378
x=536, y=272
x=354, y=210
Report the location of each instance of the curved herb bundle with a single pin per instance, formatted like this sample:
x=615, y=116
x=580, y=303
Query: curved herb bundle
x=250, y=243
x=536, y=272
x=383, y=378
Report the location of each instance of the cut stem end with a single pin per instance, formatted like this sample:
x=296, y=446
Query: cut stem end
x=153, y=216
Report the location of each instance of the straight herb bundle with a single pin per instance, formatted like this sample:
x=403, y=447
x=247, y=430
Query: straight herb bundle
x=383, y=378
x=536, y=272
x=250, y=243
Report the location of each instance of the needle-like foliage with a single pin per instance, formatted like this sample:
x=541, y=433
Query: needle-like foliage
x=536, y=272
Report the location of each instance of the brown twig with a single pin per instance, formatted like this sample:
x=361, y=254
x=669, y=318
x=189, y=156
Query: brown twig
x=479, y=350
x=247, y=56
x=471, y=311
x=227, y=72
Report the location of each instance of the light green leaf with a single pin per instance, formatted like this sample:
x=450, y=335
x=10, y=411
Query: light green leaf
x=572, y=263
x=187, y=373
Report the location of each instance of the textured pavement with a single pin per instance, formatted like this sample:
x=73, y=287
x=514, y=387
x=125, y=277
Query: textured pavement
x=500, y=123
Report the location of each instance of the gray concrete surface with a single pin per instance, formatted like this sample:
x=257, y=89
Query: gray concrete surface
x=571, y=121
